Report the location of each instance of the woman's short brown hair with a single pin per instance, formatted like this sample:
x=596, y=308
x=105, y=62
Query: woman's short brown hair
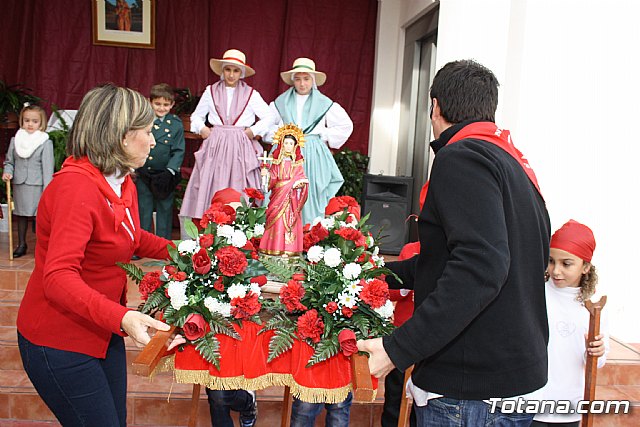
x=105, y=116
x=38, y=109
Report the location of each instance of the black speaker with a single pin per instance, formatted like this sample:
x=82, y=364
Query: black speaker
x=388, y=201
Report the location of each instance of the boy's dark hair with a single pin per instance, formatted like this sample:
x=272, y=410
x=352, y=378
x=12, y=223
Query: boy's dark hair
x=162, y=90
x=465, y=90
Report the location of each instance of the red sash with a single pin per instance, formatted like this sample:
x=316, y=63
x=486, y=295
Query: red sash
x=488, y=131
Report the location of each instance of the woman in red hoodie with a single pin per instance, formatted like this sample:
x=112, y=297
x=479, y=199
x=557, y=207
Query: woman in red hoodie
x=73, y=316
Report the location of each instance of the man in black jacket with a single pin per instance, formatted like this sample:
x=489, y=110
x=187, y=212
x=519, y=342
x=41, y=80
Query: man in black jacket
x=479, y=329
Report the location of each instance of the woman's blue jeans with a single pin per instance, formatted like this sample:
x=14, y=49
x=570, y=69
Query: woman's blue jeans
x=80, y=390
x=446, y=412
x=303, y=414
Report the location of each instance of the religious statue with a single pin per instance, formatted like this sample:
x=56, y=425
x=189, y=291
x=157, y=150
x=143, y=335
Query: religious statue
x=289, y=187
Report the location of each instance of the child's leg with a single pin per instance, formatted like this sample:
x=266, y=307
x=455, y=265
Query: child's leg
x=145, y=205
x=338, y=413
x=303, y=414
x=164, y=217
x=220, y=406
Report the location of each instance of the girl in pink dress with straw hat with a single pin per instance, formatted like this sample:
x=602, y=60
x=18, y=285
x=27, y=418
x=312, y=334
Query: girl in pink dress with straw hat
x=228, y=157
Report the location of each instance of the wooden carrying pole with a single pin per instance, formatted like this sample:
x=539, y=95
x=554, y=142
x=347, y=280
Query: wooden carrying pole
x=405, y=407
x=9, y=218
x=591, y=370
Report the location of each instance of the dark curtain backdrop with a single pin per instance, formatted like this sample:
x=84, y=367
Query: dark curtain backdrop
x=47, y=45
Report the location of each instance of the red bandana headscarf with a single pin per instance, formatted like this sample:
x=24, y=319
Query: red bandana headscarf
x=575, y=238
x=118, y=204
x=226, y=196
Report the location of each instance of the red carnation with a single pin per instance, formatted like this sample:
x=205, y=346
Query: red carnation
x=308, y=240
x=201, y=261
x=206, y=240
x=332, y=306
x=352, y=234
x=218, y=214
x=320, y=232
x=347, y=312
x=218, y=285
x=310, y=326
x=231, y=261
x=375, y=293
x=347, y=340
x=243, y=308
x=194, y=327
x=170, y=269
x=149, y=283
x=179, y=276
x=339, y=203
x=291, y=294
x=299, y=277
x=260, y=280
x=254, y=194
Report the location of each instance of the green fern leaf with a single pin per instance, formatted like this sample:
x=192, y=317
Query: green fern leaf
x=279, y=269
x=132, y=271
x=221, y=325
x=209, y=347
x=324, y=350
x=155, y=301
x=280, y=343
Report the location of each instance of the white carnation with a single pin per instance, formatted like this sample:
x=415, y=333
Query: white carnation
x=378, y=260
x=332, y=257
x=225, y=230
x=315, y=253
x=255, y=288
x=216, y=306
x=237, y=291
x=386, y=310
x=238, y=239
x=188, y=246
x=347, y=300
x=258, y=230
x=177, y=294
x=316, y=220
x=352, y=270
x=328, y=223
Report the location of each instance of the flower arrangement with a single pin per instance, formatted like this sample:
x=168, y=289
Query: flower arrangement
x=336, y=294
x=212, y=279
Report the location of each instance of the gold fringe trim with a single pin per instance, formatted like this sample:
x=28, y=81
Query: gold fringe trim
x=306, y=394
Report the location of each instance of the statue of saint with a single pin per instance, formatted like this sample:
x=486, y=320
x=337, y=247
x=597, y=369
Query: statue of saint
x=289, y=187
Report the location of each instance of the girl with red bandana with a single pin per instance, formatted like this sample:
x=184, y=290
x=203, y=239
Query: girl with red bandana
x=572, y=280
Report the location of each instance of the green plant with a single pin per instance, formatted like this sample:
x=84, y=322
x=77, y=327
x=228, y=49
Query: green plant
x=186, y=102
x=59, y=139
x=13, y=98
x=353, y=166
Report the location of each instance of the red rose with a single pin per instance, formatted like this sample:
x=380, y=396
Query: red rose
x=254, y=194
x=299, y=277
x=201, y=261
x=332, y=306
x=206, y=240
x=254, y=255
x=218, y=285
x=243, y=308
x=194, y=327
x=170, y=269
x=311, y=326
x=179, y=276
x=347, y=312
x=260, y=280
x=149, y=283
x=375, y=293
x=347, y=340
x=231, y=261
x=291, y=294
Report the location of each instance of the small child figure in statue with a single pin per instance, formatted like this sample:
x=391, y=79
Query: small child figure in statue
x=289, y=186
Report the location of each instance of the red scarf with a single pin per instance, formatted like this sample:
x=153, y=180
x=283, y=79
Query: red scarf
x=118, y=204
x=488, y=131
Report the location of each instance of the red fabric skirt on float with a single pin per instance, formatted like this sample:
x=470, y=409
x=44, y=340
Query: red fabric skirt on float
x=243, y=365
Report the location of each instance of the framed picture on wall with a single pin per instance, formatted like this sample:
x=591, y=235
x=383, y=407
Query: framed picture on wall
x=126, y=23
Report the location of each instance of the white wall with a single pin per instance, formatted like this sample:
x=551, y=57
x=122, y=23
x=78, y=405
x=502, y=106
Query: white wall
x=570, y=93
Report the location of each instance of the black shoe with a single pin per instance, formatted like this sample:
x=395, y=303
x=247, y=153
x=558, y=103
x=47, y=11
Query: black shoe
x=20, y=250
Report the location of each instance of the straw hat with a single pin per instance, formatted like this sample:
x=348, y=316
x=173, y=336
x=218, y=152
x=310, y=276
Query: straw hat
x=303, y=65
x=232, y=56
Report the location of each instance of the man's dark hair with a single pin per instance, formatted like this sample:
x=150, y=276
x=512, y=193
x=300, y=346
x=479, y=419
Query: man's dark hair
x=465, y=90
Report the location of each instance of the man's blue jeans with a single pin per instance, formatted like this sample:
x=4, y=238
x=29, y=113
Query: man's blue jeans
x=446, y=412
x=304, y=414
x=80, y=390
